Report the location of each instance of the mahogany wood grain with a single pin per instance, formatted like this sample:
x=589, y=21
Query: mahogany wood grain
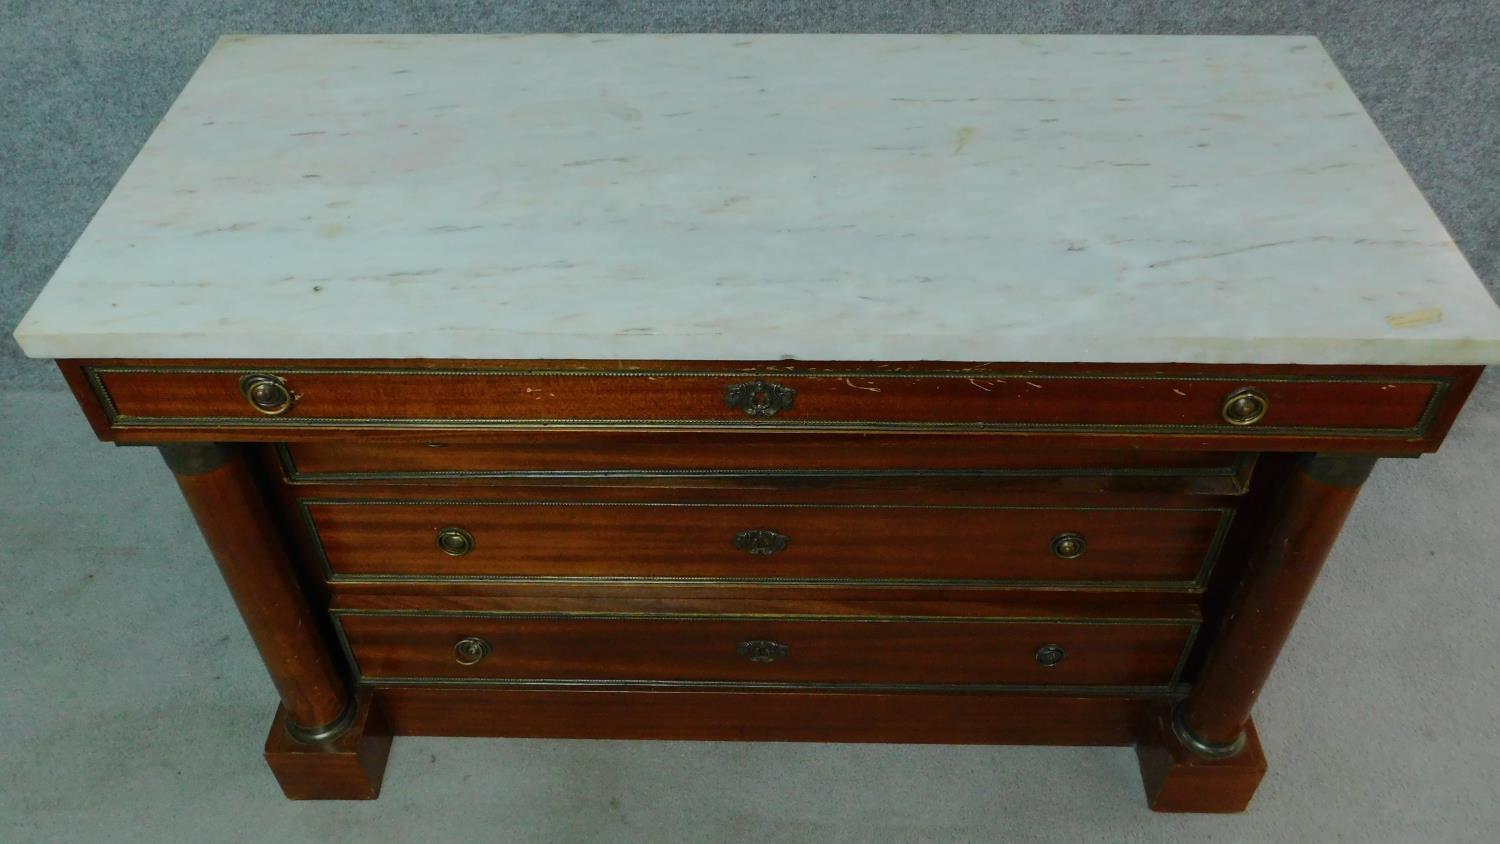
x=1066, y=605
x=928, y=718
x=812, y=491
x=931, y=443
x=1041, y=594
x=1381, y=409
x=348, y=767
x=1034, y=397
x=845, y=491
x=831, y=542
x=1245, y=535
x=1106, y=595
x=1178, y=780
x=232, y=514
x=637, y=451
x=1301, y=528
x=869, y=651
x=594, y=456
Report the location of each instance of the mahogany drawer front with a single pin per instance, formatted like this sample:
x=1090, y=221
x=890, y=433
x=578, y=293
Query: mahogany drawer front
x=530, y=454
x=187, y=396
x=394, y=647
x=766, y=543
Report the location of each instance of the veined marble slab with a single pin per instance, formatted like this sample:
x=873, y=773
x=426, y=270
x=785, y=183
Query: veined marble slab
x=984, y=198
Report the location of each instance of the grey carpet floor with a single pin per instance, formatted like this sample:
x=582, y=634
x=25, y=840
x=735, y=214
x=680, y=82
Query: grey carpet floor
x=132, y=704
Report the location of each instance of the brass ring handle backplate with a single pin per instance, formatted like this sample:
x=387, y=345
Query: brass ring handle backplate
x=1069, y=545
x=471, y=650
x=455, y=541
x=268, y=394
x=759, y=398
x=1245, y=406
x=1048, y=656
x=762, y=650
x=761, y=542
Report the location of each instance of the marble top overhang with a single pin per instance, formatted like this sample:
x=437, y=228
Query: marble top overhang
x=757, y=197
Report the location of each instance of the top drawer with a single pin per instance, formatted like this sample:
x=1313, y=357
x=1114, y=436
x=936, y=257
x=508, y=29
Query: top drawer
x=1201, y=401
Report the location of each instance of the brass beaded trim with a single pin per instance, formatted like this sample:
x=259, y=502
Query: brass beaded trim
x=94, y=375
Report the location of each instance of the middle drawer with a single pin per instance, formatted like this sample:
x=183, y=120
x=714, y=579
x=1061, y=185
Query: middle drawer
x=1121, y=547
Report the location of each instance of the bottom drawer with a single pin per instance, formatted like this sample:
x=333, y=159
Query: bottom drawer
x=404, y=647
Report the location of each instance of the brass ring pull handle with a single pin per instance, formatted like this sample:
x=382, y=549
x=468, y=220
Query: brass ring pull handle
x=759, y=398
x=761, y=542
x=471, y=650
x=762, y=650
x=268, y=394
x=1048, y=656
x=1245, y=406
x=1069, y=545
x=455, y=541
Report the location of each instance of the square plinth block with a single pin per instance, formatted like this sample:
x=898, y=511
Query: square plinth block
x=349, y=767
x=1179, y=780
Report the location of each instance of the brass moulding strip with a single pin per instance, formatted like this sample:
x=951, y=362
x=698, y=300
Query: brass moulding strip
x=1205, y=568
x=1091, y=690
x=1171, y=688
x=1215, y=546
x=293, y=474
x=1182, y=659
x=95, y=375
x=587, y=615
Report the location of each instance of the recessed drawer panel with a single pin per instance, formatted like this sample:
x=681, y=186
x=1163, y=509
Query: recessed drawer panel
x=1220, y=403
x=547, y=454
x=707, y=650
x=425, y=540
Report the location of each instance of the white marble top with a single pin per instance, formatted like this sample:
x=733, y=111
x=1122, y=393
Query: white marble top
x=984, y=198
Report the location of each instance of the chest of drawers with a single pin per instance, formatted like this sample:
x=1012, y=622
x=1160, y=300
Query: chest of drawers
x=893, y=552
x=556, y=481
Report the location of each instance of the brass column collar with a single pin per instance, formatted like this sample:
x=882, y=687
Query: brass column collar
x=327, y=732
x=1202, y=746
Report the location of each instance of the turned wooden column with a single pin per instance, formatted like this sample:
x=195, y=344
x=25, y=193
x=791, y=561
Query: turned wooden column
x=1303, y=523
x=219, y=488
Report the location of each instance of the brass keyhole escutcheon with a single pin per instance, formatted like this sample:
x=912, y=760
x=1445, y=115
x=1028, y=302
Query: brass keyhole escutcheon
x=455, y=541
x=761, y=542
x=1245, y=406
x=268, y=394
x=1069, y=545
x=762, y=650
x=759, y=397
x=1048, y=656
x=470, y=650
